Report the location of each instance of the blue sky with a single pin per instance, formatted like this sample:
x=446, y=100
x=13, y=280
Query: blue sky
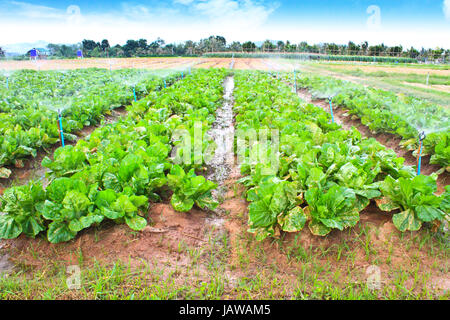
x=407, y=22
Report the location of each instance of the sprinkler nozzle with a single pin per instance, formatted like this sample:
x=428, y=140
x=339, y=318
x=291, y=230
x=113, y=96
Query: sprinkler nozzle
x=330, y=98
x=422, y=136
x=59, y=113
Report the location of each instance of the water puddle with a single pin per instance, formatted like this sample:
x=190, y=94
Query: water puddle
x=222, y=131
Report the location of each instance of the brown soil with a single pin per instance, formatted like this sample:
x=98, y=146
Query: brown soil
x=116, y=63
x=389, y=140
x=110, y=243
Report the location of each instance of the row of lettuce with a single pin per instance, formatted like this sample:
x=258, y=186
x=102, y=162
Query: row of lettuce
x=326, y=175
x=385, y=111
x=29, y=105
x=112, y=174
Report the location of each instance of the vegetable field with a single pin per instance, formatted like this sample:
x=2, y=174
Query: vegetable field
x=29, y=106
x=296, y=181
x=384, y=111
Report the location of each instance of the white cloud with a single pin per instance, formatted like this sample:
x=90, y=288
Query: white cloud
x=184, y=2
x=446, y=8
x=28, y=10
x=229, y=13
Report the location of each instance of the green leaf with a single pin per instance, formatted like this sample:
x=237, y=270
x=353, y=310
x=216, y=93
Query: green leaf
x=318, y=229
x=75, y=205
x=50, y=210
x=110, y=181
x=111, y=214
x=32, y=226
x=75, y=225
x=4, y=173
x=206, y=201
x=9, y=228
x=139, y=201
x=260, y=215
x=181, y=204
x=128, y=166
x=406, y=221
x=124, y=204
x=136, y=222
x=261, y=233
x=293, y=221
x=105, y=198
x=386, y=204
x=429, y=213
x=59, y=232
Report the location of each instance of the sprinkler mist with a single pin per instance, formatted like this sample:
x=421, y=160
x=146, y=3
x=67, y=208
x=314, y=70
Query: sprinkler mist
x=232, y=61
x=422, y=137
x=295, y=80
x=61, y=132
x=330, y=99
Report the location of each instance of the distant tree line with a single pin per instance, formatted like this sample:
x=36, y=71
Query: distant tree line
x=214, y=44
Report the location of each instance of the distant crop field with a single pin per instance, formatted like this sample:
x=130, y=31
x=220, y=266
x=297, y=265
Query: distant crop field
x=212, y=62
x=144, y=63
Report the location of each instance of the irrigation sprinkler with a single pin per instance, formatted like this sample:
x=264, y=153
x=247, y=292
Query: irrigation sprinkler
x=295, y=80
x=182, y=75
x=165, y=84
x=422, y=137
x=428, y=77
x=7, y=82
x=330, y=99
x=61, y=132
x=134, y=93
x=189, y=69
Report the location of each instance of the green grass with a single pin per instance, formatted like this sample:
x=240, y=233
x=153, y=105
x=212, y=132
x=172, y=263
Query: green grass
x=396, y=82
x=400, y=77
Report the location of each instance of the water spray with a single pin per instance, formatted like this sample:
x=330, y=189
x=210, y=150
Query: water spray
x=330, y=99
x=295, y=80
x=422, y=137
x=61, y=132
